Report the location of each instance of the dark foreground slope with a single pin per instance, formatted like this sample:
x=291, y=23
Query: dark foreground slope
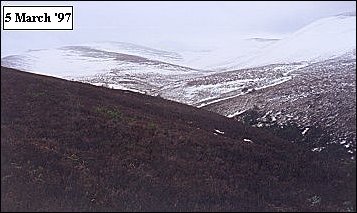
x=70, y=146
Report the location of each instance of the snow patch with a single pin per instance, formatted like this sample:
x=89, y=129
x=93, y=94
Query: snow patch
x=247, y=140
x=305, y=130
x=117, y=86
x=347, y=145
x=318, y=149
x=236, y=113
x=218, y=131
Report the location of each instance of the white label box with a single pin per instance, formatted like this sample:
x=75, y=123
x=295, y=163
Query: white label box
x=37, y=18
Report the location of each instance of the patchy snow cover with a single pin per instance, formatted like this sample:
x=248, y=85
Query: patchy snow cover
x=271, y=84
x=275, y=82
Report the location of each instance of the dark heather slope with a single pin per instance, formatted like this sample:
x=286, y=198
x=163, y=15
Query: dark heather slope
x=69, y=146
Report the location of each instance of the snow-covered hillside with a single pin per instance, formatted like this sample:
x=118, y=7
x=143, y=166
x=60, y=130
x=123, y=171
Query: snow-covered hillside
x=96, y=59
x=221, y=54
x=323, y=39
x=134, y=49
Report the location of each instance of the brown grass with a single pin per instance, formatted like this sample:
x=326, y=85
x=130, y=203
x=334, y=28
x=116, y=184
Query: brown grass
x=68, y=146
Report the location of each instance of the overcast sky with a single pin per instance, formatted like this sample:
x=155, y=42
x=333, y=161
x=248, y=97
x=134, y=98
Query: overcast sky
x=153, y=22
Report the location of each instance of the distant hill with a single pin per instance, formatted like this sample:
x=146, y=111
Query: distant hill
x=70, y=146
x=323, y=39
